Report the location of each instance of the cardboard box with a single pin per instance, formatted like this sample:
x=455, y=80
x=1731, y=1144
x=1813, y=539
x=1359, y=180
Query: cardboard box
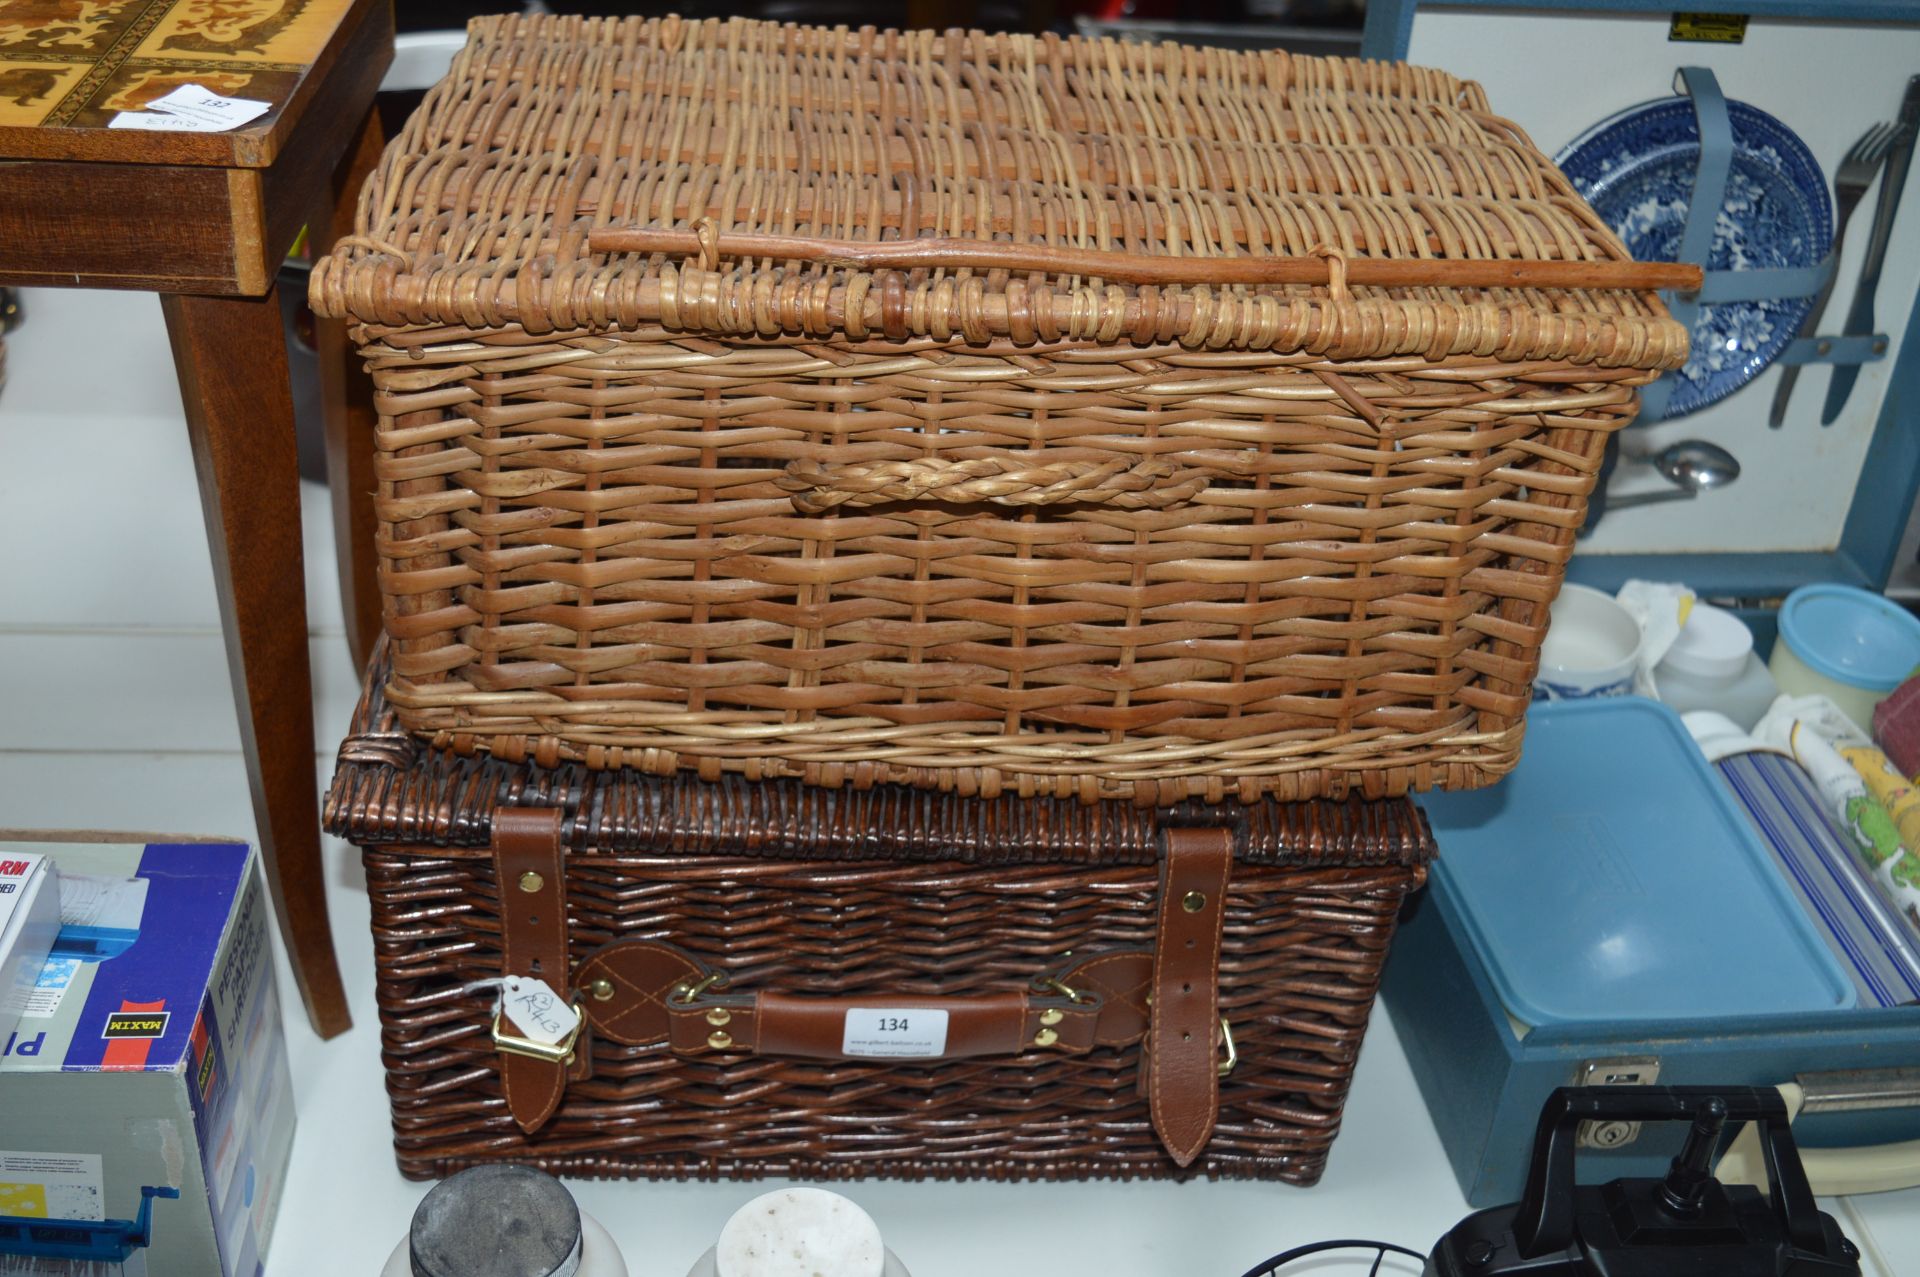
x=29, y=920
x=146, y=1110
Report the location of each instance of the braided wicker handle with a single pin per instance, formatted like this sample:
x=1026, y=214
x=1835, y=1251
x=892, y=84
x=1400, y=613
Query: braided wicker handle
x=1004, y=480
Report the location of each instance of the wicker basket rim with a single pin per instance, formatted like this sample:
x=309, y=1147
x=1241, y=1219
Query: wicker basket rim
x=392, y=790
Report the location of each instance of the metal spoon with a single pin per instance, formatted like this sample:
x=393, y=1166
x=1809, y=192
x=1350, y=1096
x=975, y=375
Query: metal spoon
x=1693, y=466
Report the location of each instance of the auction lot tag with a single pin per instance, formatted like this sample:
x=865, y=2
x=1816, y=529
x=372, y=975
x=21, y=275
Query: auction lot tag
x=896, y=1032
x=192, y=109
x=536, y=1010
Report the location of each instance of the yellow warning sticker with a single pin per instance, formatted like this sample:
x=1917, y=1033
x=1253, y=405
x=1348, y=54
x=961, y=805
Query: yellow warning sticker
x=1709, y=28
x=26, y=1201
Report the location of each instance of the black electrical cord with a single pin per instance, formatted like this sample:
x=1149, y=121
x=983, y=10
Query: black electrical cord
x=1284, y=1258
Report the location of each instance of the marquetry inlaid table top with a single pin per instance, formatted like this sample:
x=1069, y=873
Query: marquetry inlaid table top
x=68, y=66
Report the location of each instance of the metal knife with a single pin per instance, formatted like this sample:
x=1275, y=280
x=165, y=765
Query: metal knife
x=1860, y=315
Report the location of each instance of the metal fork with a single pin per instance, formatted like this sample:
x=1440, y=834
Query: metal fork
x=1850, y=185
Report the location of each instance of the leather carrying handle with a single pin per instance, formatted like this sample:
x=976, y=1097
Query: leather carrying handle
x=646, y=992
x=711, y=244
x=1002, y=479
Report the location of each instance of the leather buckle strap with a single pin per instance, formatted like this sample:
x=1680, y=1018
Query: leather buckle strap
x=530, y=870
x=1182, y=1070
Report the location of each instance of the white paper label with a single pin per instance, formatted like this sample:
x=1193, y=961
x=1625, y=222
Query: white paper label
x=539, y=1013
x=897, y=1032
x=156, y=122
x=50, y=990
x=52, y=1186
x=192, y=109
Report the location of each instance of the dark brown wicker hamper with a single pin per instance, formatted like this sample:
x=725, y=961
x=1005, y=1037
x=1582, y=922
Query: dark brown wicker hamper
x=828, y=894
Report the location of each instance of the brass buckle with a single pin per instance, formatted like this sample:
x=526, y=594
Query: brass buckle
x=688, y=992
x=1233, y=1053
x=560, y=1052
x=1053, y=984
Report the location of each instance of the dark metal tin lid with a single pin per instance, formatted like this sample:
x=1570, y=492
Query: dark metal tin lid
x=496, y=1221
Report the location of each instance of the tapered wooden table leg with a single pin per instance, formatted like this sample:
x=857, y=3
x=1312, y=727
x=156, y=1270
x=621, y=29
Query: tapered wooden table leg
x=232, y=362
x=346, y=399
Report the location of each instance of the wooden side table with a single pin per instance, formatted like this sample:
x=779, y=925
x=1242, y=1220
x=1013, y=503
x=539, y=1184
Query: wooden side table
x=204, y=219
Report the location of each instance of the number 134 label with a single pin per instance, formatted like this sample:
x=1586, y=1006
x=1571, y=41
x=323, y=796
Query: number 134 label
x=899, y=1032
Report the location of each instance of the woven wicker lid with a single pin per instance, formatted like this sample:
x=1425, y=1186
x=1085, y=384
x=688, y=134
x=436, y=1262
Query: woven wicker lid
x=1162, y=162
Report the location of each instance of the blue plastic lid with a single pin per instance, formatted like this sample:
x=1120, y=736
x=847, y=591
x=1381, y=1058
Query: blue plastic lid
x=1851, y=635
x=1612, y=878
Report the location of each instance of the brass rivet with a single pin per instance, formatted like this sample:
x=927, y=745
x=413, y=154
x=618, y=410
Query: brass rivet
x=1051, y=1016
x=531, y=882
x=719, y=1041
x=719, y=1016
x=601, y=990
x=1193, y=901
x=1045, y=1037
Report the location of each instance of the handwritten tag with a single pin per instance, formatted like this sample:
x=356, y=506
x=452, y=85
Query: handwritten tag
x=158, y=122
x=539, y=1013
x=192, y=109
x=196, y=103
x=899, y=1033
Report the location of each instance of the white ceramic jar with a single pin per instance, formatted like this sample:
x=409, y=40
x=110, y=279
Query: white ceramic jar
x=1592, y=647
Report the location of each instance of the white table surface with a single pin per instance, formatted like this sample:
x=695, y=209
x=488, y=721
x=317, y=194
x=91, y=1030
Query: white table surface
x=1387, y=1178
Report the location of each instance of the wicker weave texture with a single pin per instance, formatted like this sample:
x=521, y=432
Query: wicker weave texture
x=1302, y=960
x=978, y=530
x=388, y=788
x=804, y=889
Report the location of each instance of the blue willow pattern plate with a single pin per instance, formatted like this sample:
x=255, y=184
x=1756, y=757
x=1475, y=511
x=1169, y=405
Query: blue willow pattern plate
x=1637, y=168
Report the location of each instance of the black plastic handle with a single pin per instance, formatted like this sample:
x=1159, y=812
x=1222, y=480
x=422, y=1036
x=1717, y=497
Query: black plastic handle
x=1545, y=1222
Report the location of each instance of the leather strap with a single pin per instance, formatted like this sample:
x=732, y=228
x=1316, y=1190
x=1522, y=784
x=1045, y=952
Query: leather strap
x=1182, y=1068
x=644, y=992
x=530, y=869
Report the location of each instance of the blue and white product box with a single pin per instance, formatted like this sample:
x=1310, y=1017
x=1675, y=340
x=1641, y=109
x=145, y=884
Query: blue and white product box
x=146, y=1109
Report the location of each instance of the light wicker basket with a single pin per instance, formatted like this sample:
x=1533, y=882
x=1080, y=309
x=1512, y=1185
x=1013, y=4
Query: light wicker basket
x=982, y=412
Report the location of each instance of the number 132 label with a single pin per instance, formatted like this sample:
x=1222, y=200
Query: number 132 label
x=894, y=1032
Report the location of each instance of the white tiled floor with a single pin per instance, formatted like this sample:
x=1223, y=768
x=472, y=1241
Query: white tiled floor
x=115, y=712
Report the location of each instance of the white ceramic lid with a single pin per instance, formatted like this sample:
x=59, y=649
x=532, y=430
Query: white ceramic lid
x=800, y=1232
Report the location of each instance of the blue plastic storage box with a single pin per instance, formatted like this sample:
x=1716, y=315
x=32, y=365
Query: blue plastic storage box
x=1607, y=913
